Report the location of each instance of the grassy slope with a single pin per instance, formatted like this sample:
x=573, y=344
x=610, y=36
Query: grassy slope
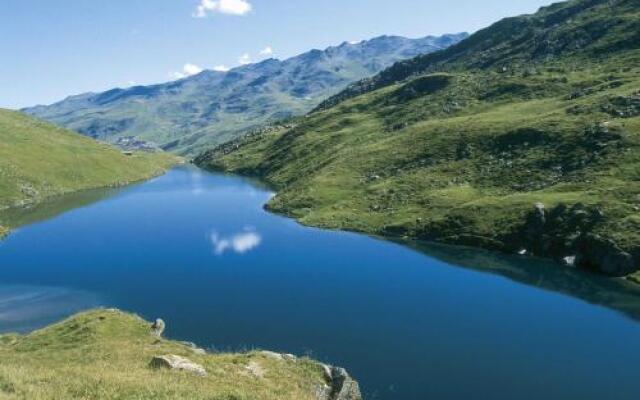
x=459, y=152
x=105, y=354
x=39, y=160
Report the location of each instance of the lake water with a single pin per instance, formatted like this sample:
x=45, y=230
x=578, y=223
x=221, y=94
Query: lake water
x=420, y=322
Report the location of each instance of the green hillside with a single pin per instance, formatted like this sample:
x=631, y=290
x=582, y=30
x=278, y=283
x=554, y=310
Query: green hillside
x=39, y=160
x=107, y=354
x=522, y=138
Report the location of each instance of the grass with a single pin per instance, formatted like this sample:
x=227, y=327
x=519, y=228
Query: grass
x=458, y=153
x=345, y=168
x=39, y=161
x=105, y=354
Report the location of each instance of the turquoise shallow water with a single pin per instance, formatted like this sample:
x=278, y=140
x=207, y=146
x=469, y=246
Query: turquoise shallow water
x=198, y=250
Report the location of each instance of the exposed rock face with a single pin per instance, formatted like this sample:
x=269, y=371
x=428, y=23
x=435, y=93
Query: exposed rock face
x=340, y=386
x=174, y=362
x=603, y=255
x=539, y=216
x=565, y=234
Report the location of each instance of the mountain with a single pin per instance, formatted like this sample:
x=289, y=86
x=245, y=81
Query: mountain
x=523, y=138
x=213, y=107
x=39, y=160
x=516, y=42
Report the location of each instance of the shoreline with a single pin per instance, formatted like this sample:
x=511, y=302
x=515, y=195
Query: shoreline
x=7, y=228
x=459, y=241
x=135, y=360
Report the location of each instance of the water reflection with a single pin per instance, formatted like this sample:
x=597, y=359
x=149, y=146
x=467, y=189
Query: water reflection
x=16, y=217
x=197, y=187
x=239, y=243
x=617, y=294
x=23, y=308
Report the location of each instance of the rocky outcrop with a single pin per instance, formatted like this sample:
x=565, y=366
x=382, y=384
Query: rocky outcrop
x=603, y=255
x=623, y=106
x=566, y=234
x=339, y=385
x=178, y=363
x=157, y=328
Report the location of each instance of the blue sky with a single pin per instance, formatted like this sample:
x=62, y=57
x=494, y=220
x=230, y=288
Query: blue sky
x=52, y=49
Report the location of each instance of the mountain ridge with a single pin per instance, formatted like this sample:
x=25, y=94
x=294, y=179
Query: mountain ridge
x=212, y=107
x=539, y=37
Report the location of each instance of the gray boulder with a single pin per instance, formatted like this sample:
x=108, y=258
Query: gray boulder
x=339, y=385
x=178, y=363
x=157, y=328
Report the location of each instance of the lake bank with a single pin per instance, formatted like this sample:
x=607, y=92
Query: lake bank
x=109, y=354
x=201, y=252
x=543, y=233
x=12, y=217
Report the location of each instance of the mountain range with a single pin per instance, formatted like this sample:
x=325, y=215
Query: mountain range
x=192, y=114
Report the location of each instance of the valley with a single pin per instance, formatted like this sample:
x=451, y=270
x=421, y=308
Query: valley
x=424, y=212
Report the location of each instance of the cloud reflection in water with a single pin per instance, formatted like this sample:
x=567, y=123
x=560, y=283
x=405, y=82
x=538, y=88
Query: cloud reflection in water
x=24, y=308
x=239, y=243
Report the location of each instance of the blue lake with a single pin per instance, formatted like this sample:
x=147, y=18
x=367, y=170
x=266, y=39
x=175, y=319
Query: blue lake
x=409, y=322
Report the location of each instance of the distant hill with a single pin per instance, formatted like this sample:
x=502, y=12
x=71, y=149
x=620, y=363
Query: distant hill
x=39, y=160
x=213, y=107
x=523, y=138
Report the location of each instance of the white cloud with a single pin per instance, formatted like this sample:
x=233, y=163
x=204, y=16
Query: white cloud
x=245, y=59
x=239, y=243
x=191, y=69
x=231, y=7
x=187, y=70
x=221, y=68
x=267, y=51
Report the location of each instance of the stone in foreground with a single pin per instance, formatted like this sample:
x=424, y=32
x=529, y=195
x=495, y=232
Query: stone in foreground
x=340, y=385
x=174, y=362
